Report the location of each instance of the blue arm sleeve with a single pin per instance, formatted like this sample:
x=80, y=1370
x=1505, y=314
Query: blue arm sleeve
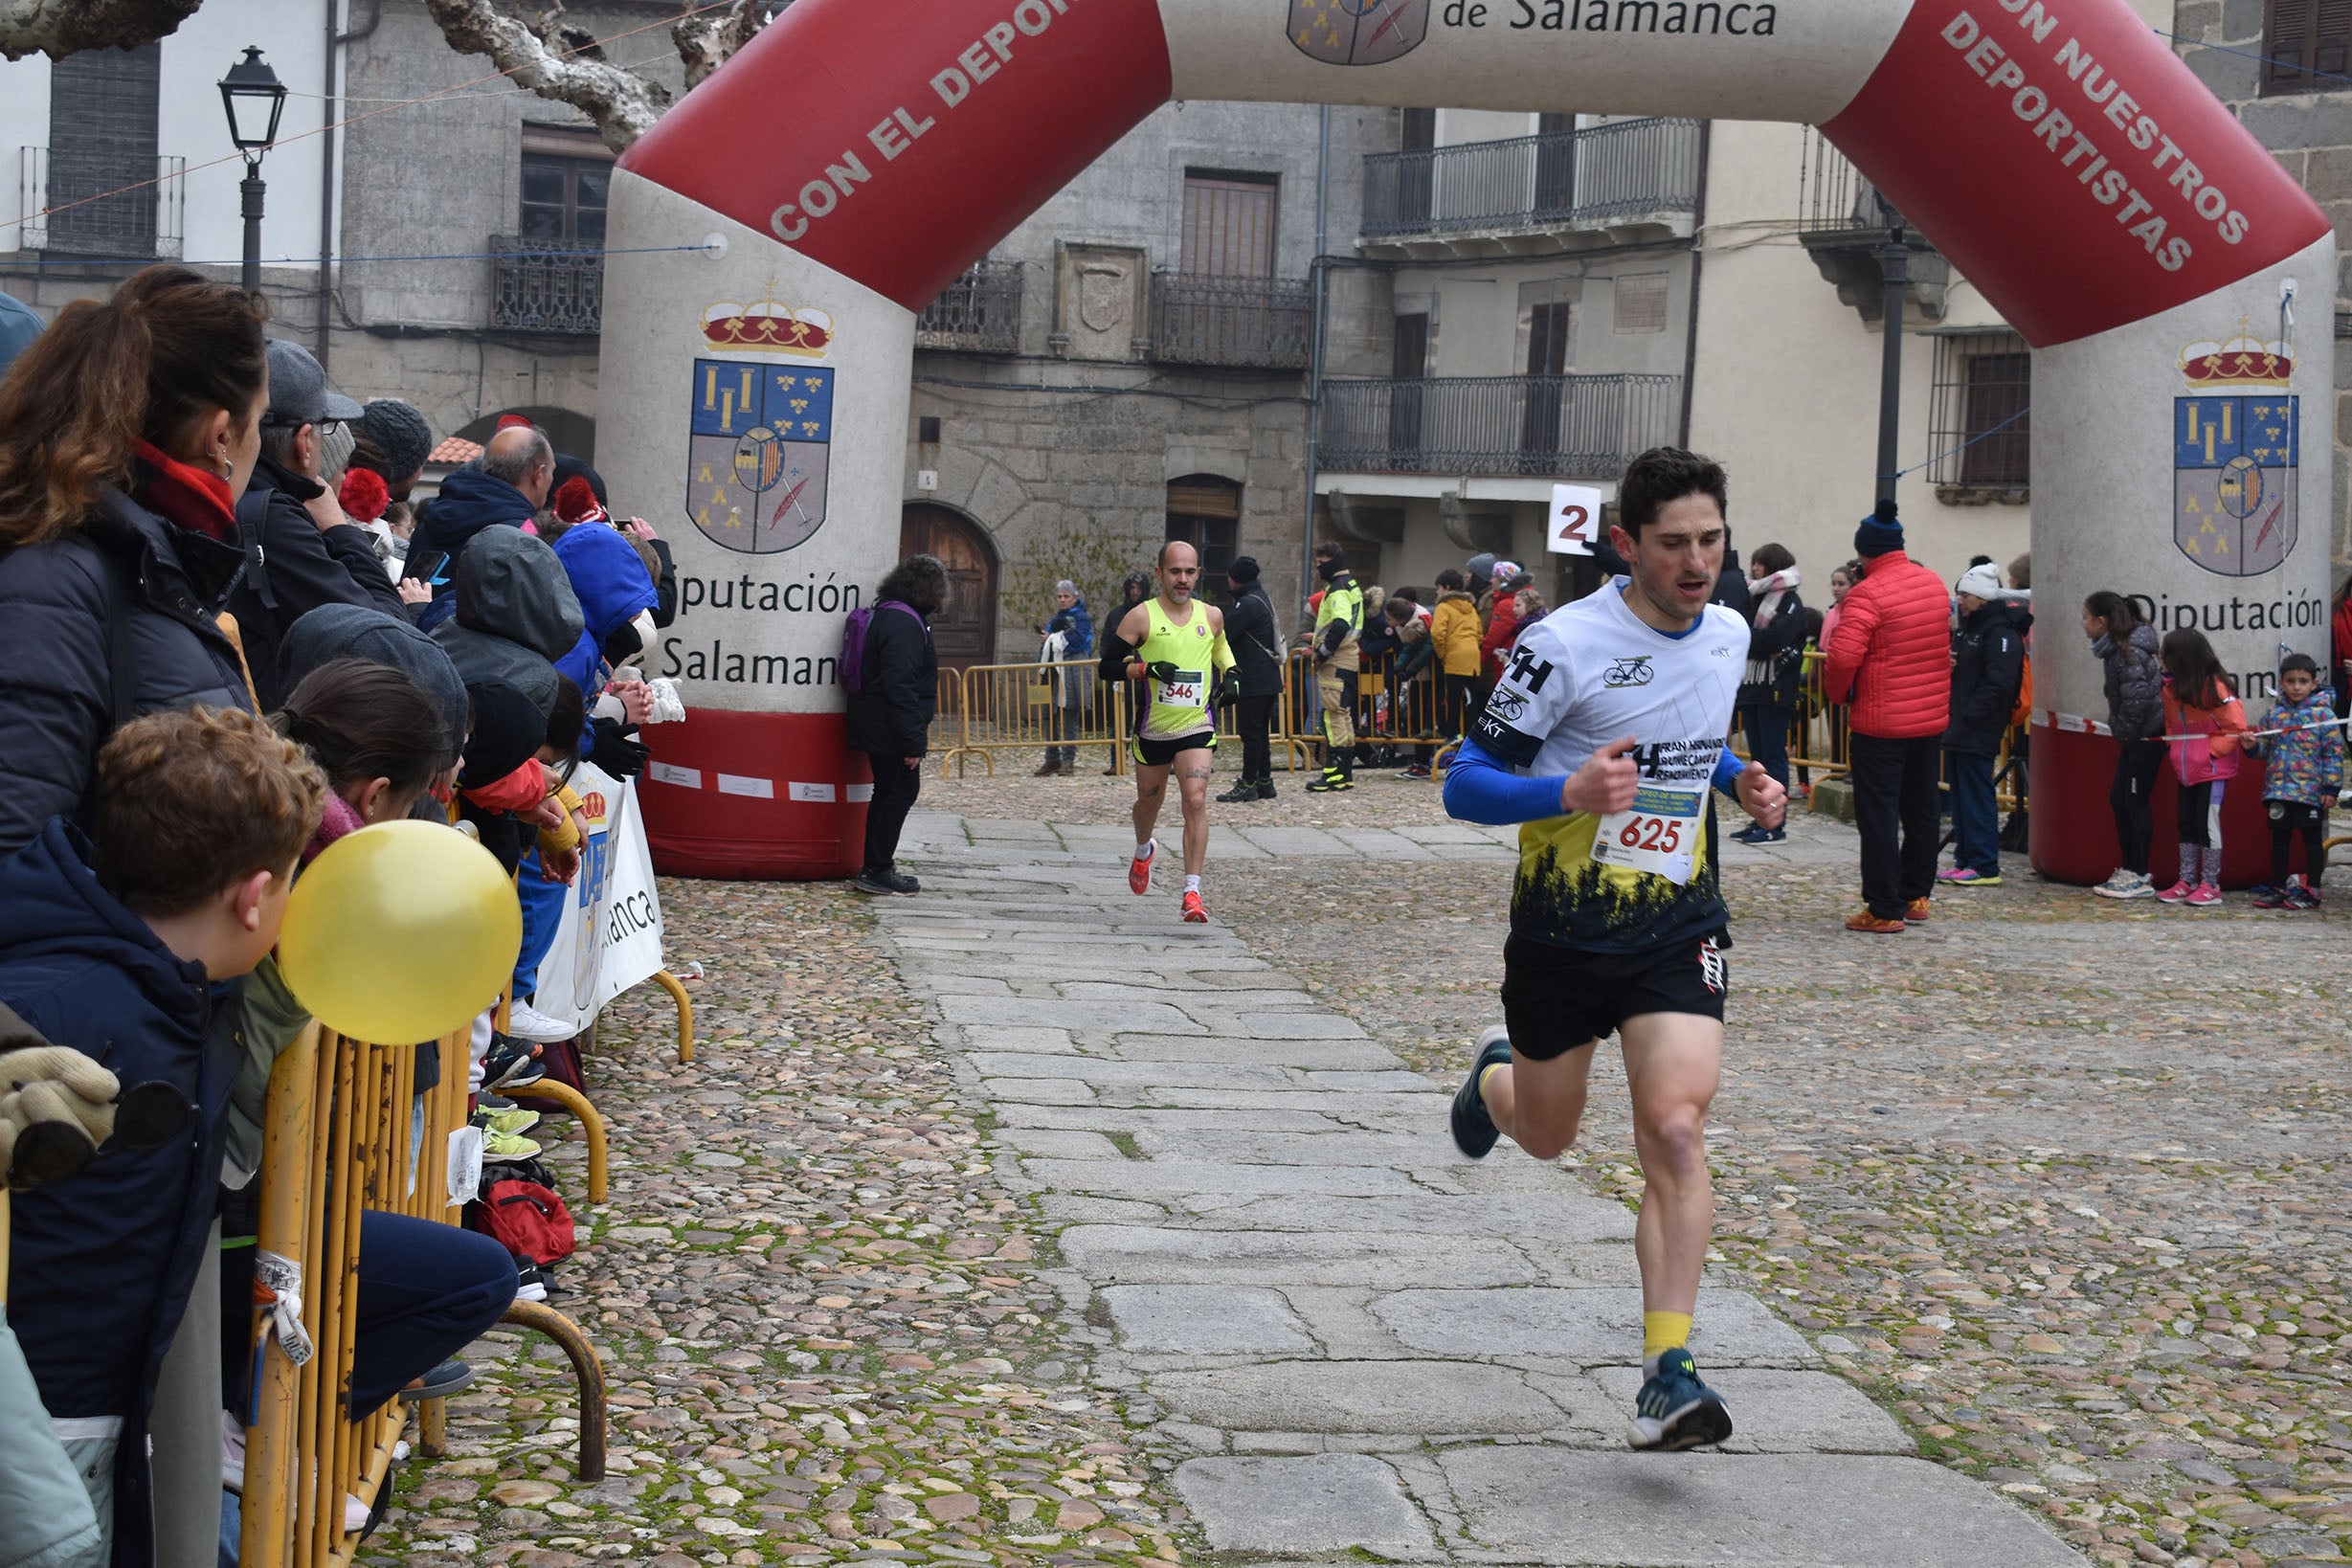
x=1480, y=789
x=1728, y=769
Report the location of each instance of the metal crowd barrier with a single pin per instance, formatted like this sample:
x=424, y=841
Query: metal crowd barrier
x=1820, y=739
x=345, y=1131
x=989, y=709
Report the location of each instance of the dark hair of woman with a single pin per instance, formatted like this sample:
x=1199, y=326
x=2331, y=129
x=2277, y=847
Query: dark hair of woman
x=919, y=580
x=1772, y=558
x=165, y=351
x=2116, y=611
x=2198, y=678
x=361, y=720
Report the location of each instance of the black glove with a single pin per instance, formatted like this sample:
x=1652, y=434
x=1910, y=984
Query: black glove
x=1160, y=670
x=1229, y=688
x=618, y=750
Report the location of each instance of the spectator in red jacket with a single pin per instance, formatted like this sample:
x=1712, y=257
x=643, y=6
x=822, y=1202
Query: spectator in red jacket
x=1890, y=658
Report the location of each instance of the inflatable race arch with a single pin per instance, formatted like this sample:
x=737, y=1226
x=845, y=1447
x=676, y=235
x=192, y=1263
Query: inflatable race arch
x=843, y=170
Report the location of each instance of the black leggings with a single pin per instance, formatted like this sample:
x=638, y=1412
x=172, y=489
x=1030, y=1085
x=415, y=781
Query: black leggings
x=895, y=788
x=2136, y=764
x=2291, y=819
x=1254, y=718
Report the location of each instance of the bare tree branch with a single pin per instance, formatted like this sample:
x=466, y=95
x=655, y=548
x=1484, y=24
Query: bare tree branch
x=58, y=28
x=709, y=41
x=555, y=60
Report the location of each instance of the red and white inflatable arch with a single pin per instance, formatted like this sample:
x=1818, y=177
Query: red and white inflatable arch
x=858, y=156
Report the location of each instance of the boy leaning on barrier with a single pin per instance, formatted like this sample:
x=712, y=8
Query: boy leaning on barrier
x=126, y=944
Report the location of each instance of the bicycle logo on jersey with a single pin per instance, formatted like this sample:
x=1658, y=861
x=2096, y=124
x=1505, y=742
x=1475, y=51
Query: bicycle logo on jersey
x=1633, y=671
x=1507, y=704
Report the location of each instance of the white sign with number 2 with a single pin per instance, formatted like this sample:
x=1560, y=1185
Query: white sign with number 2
x=1576, y=520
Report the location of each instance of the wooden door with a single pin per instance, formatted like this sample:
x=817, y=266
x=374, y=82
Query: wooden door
x=964, y=632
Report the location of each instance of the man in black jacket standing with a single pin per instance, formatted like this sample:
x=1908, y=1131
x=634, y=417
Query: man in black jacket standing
x=1988, y=667
x=891, y=710
x=1257, y=667
x=299, y=553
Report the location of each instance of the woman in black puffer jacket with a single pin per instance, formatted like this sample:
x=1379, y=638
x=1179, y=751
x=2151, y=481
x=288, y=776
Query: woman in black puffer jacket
x=2127, y=647
x=126, y=431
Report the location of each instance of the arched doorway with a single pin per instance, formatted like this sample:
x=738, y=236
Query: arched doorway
x=567, y=432
x=964, y=634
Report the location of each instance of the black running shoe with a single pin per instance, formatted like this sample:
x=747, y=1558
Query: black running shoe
x=1474, y=1130
x=1245, y=789
x=1675, y=1411
x=513, y=1063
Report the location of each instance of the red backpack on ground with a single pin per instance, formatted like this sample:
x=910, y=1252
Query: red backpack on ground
x=527, y=1219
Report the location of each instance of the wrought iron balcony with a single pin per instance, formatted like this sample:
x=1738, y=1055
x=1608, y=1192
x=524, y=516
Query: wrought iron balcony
x=1265, y=323
x=1842, y=223
x=978, y=313
x=1557, y=426
x=1610, y=177
x=90, y=204
x=542, y=285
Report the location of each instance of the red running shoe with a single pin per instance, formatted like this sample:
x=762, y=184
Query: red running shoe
x=1139, y=870
x=1194, y=913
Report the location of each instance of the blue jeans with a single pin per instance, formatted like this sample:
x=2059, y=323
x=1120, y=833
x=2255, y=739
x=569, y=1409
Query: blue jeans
x=543, y=910
x=1975, y=816
x=426, y=1291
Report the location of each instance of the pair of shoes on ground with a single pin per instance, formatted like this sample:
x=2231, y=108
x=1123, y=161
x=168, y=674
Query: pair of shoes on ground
x=2296, y=895
x=1758, y=834
x=513, y=1063
x=1675, y=1409
x=1967, y=876
x=1055, y=766
x=2127, y=885
x=1246, y=790
x=1418, y=769
x=1139, y=883
x=2202, y=896
x=883, y=879
x=506, y=1143
x=1914, y=913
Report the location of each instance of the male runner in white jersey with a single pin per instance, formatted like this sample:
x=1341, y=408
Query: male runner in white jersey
x=1603, y=736
x=1178, y=645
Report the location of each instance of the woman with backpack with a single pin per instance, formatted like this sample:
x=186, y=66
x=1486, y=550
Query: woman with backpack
x=892, y=674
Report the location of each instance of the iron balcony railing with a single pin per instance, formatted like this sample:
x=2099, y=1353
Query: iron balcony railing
x=1265, y=323
x=978, y=313
x=1557, y=180
x=1560, y=426
x=541, y=285
x=100, y=207
x=1831, y=193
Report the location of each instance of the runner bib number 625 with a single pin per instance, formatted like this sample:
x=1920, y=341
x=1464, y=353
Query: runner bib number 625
x=1659, y=834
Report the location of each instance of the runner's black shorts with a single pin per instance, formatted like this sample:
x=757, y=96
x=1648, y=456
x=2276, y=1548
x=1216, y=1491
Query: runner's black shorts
x=1159, y=754
x=1556, y=999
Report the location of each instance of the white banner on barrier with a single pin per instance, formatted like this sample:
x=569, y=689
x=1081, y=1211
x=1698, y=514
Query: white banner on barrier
x=610, y=937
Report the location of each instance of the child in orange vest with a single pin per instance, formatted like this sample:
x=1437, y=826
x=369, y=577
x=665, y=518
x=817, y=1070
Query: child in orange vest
x=2202, y=723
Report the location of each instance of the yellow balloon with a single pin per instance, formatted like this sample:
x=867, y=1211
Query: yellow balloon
x=400, y=932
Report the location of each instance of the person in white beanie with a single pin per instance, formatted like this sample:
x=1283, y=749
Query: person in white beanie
x=1988, y=665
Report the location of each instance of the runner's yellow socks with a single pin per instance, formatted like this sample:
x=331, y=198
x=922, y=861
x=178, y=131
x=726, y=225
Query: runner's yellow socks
x=1663, y=1332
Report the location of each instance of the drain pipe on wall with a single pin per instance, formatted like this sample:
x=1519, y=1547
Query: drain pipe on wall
x=1319, y=286
x=336, y=40
x=1698, y=254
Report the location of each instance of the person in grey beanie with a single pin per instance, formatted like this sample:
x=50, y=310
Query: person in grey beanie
x=392, y=442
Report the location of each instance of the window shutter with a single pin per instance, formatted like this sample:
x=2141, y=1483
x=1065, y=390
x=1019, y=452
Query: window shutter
x=1228, y=226
x=102, y=138
x=2331, y=39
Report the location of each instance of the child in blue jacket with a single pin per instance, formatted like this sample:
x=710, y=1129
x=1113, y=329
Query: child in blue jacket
x=2305, y=768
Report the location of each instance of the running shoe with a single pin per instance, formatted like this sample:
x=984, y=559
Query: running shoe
x=873, y=880
x=1962, y=876
x=2125, y=884
x=1914, y=913
x=1871, y=925
x=2177, y=893
x=515, y=1120
x=1244, y=791
x=451, y=1377
x=2301, y=897
x=506, y=1148
x=1331, y=782
x=513, y=1063
x=1194, y=914
x=2206, y=897
x=526, y=1022
x=1139, y=869
x=531, y=1284
x=1266, y=789
x=2267, y=897
x=1474, y=1130
x=1675, y=1411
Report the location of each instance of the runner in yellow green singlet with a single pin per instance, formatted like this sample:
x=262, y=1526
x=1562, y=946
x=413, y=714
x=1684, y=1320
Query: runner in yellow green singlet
x=1176, y=644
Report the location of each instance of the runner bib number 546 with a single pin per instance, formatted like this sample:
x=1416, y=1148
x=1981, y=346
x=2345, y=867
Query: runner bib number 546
x=1659, y=834
x=1189, y=689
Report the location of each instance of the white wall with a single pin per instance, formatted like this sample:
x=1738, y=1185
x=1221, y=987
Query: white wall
x=190, y=123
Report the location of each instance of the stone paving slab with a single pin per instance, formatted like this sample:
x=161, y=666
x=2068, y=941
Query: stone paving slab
x=1312, y=1053
x=1567, y=1216
x=1588, y=1326
x=1317, y=1503
x=1399, y=1398
x=1205, y=1320
x=1169, y=1177
x=1565, y=1505
x=1167, y=1255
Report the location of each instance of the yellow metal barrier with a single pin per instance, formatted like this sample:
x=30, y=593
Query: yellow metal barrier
x=1011, y=707
x=343, y=1119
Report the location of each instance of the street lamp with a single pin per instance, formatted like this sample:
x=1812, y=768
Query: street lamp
x=1894, y=275
x=254, y=97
